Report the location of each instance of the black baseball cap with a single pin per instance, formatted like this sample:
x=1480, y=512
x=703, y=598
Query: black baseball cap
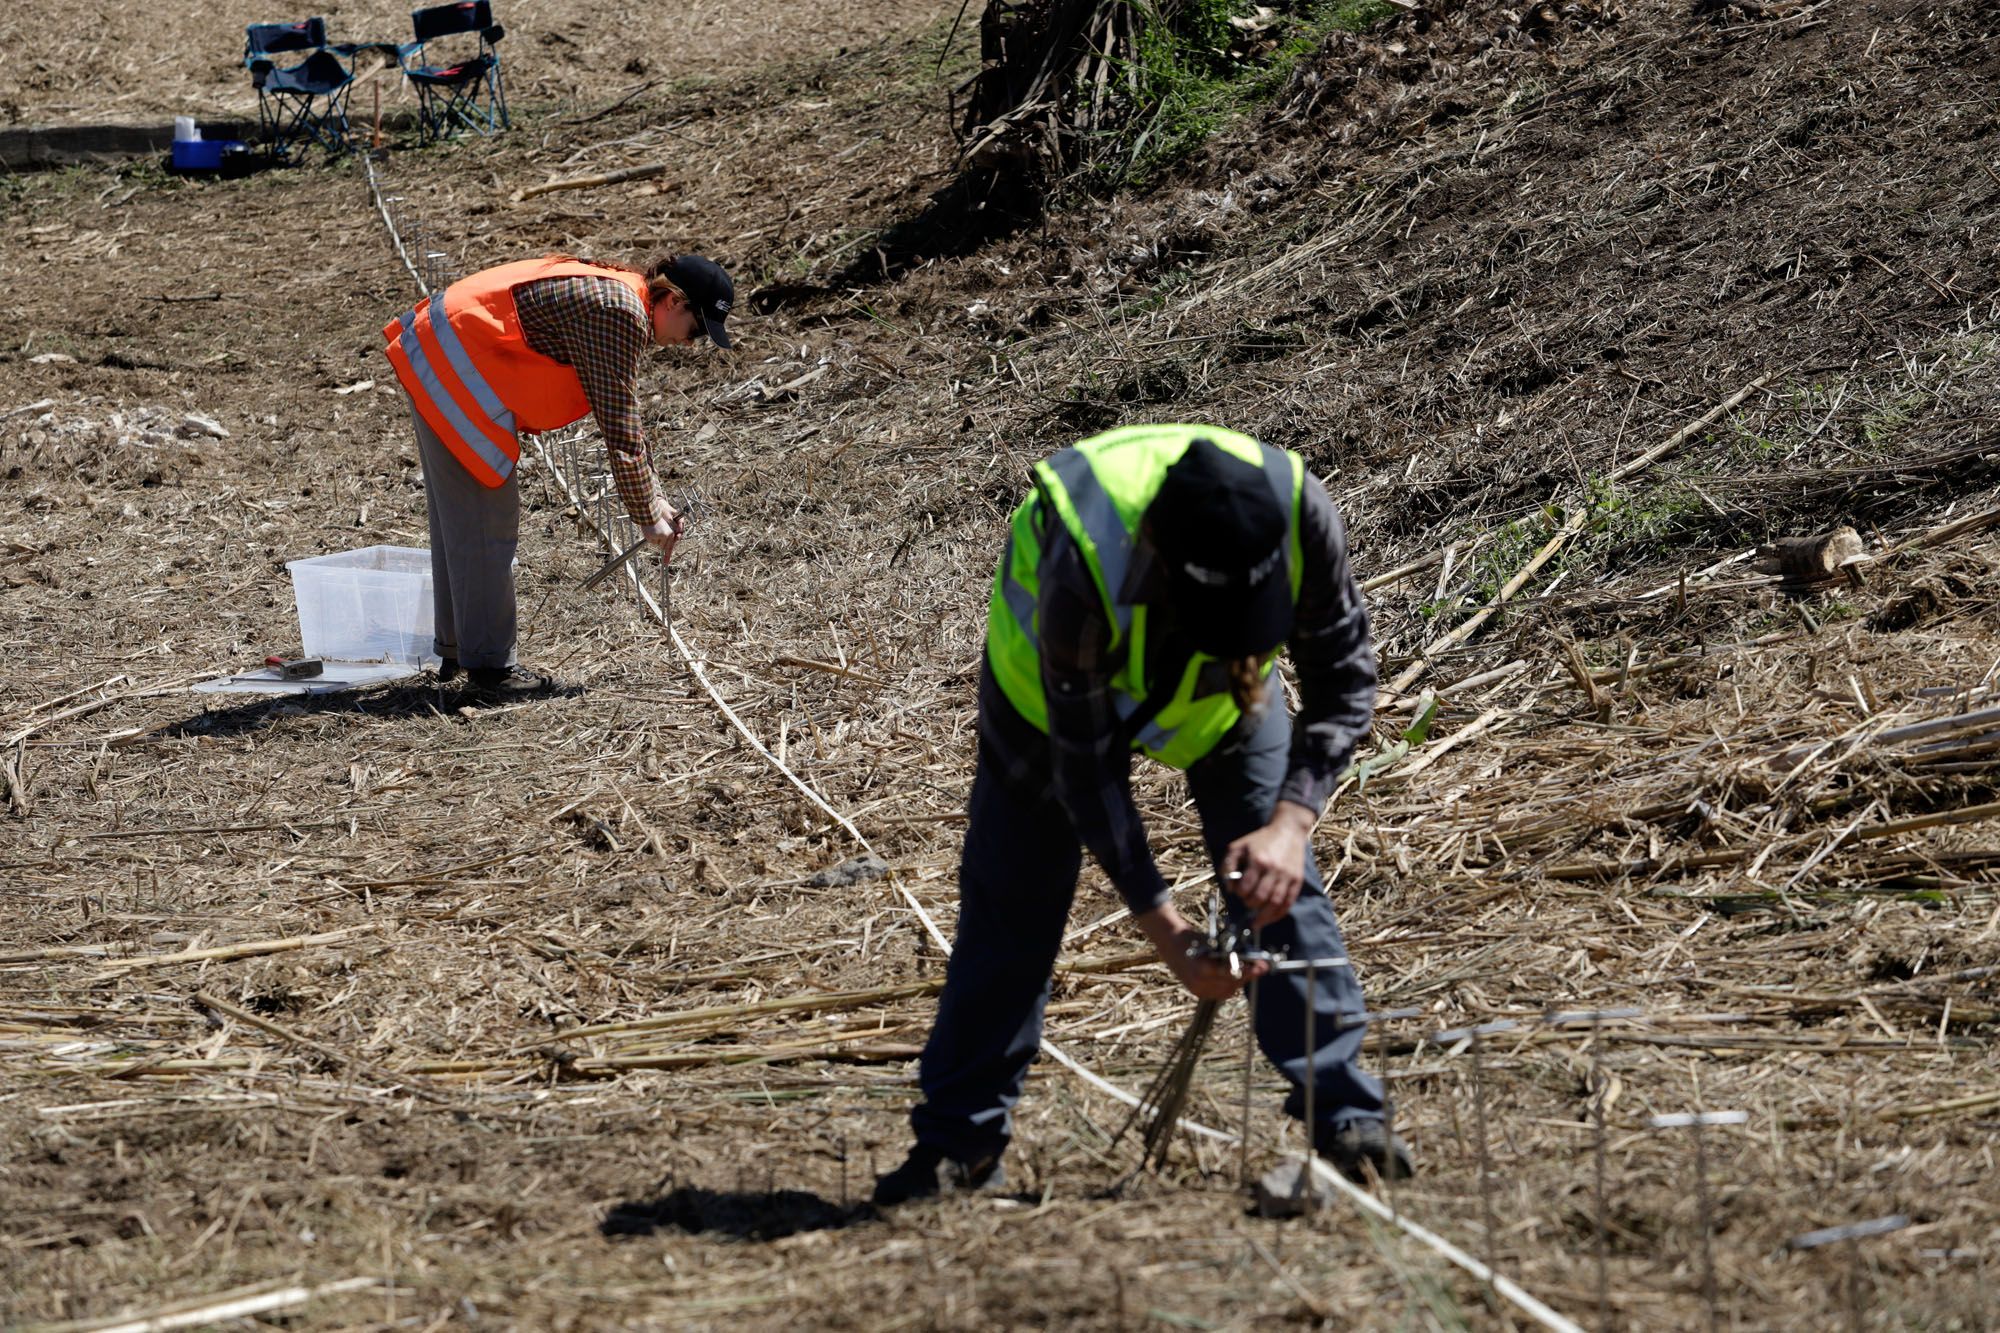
x=1221, y=532
x=709, y=291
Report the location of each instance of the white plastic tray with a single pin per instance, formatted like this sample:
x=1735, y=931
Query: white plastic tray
x=336, y=677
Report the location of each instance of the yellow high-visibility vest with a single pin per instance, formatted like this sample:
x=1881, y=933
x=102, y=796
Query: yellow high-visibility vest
x=1099, y=490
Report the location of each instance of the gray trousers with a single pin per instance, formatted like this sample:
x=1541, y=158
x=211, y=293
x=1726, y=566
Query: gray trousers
x=474, y=532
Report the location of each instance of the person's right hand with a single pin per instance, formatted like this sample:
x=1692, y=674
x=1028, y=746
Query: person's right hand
x=1205, y=978
x=665, y=530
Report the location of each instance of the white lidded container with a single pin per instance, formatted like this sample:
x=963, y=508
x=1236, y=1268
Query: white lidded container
x=370, y=605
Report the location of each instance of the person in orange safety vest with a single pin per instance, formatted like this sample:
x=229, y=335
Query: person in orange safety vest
x=533, y=346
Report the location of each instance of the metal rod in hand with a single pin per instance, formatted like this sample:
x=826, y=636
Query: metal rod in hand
x=612, y=565
x=1168, y=1115
x=1161, y=1104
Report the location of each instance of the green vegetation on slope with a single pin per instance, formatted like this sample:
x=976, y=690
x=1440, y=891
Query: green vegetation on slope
x=1206, y=62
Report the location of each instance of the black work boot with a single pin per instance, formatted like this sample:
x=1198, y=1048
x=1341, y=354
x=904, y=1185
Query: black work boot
x=448, y=670
x=1354, y=1142
x=507, y=683
x=927, y=1172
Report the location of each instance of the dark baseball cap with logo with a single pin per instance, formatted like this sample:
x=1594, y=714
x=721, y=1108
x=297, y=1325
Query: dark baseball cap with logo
x=709, y=292
x=1221, y=533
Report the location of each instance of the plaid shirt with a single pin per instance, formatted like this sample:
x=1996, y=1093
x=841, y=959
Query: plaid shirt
x=601, y=329
x=1086, y=756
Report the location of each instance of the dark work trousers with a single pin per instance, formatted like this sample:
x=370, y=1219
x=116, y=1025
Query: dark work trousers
x=474, y=532
x=1015, y=883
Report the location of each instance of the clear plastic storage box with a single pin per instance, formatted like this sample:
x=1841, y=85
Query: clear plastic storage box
x=370, y=605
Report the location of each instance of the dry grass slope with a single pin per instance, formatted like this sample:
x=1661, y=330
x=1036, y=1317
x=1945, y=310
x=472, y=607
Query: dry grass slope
x=545, y=1016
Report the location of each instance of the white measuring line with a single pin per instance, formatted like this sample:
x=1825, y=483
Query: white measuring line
x=395, y=238
x=230, y=1307
x=1505, y=1287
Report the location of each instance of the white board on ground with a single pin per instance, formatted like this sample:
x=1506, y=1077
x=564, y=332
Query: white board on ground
x=336, y=677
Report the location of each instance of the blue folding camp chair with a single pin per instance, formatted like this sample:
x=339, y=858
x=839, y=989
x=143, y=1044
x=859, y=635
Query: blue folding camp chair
x=458, y=84
x=302, y=104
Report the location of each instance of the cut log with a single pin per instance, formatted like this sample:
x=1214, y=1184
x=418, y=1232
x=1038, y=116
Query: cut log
x=651, y=169
x=1803, y=561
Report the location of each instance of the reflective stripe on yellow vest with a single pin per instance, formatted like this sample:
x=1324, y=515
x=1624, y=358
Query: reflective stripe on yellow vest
x=1099, y=491
x=467, y=367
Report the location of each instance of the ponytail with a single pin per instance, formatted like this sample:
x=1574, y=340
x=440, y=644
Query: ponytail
x=1248, y=685
x=658, y=284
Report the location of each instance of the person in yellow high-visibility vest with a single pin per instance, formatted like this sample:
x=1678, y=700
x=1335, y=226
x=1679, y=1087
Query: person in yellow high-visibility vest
x=1149, y=581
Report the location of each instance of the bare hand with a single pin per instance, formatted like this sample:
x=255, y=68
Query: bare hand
x=1173, y=938
x=665, y=530
x=1271, y=864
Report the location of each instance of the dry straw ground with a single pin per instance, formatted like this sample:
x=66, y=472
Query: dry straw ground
x=546, y=1016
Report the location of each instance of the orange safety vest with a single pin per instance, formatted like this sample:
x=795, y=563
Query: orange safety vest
x=462, y=358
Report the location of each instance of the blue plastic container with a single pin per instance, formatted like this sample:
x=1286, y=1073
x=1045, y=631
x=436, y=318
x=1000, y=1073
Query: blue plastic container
x=202, y=154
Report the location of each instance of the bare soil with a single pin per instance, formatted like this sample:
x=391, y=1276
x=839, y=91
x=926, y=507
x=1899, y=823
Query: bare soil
x=1471, y=263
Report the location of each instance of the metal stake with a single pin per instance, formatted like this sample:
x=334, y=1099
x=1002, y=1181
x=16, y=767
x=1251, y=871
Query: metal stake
x=1851, y=1235
x=565, y=465
x=1707, y=1227
x=1695, y=1123
x=415, y=242
x=1249, y=1061
x=1485, y=1161
x=1475, y=1036
x=1596, y=1019
x=1603, y=1228
x=1388, y=1120
x=1312, y=1080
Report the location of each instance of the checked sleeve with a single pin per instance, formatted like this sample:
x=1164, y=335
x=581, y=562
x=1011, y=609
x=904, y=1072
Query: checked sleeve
x=1333, y=653
x=599, y=328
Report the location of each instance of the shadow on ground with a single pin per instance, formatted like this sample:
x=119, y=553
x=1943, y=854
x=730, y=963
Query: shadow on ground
x=424, y=698
x=971, y=212
x=754, y=1215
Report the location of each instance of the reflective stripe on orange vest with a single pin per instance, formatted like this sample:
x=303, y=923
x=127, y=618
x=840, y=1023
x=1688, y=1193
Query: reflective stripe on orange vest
x=497, y=458
x=463, y=360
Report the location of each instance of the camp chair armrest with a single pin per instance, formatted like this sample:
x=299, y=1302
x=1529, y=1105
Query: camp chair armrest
x=493, y=34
